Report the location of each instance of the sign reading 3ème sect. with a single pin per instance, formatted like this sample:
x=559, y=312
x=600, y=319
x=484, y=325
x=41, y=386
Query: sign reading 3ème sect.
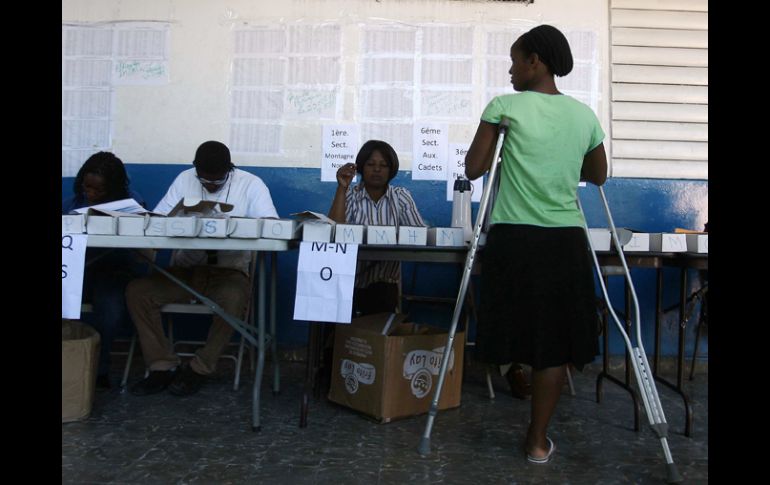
x=429, y=151
x=73, y=257
x=456, y=168
x=325, y=276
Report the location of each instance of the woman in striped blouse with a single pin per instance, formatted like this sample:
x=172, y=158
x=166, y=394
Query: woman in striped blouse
x=373, y=201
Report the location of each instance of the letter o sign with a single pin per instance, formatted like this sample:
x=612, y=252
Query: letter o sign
x=326, y=273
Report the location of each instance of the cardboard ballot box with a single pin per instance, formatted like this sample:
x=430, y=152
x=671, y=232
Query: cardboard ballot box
x=388, y=369
x=79, y=359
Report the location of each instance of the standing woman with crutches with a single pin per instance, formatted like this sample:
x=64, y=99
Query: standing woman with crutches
x=537, y=291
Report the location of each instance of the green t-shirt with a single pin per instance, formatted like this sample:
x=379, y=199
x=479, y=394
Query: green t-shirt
x=542, y=156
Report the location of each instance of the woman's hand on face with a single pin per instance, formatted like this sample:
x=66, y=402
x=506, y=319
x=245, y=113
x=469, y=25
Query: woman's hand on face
x=345, y=174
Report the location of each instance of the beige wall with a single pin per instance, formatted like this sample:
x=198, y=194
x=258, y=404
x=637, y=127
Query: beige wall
x=164, y=124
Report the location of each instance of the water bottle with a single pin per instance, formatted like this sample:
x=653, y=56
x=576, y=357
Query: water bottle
x=461, y=207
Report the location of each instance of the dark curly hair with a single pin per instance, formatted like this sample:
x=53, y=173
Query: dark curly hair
x=551, y=47
x=111, y=169
x=387, y=152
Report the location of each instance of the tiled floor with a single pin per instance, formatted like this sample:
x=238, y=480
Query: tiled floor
x=207, y=438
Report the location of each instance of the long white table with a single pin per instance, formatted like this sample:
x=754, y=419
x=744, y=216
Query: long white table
x=262, y=246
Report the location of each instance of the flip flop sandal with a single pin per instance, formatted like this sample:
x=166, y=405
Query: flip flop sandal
x=547, y=457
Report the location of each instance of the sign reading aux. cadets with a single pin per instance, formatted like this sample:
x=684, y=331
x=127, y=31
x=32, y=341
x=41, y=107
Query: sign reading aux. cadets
x=325, y=276
x=73, y=256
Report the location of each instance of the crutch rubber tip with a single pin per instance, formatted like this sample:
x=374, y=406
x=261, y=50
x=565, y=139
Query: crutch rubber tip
x=673, y=474
x=256, y=429
x=424, y=447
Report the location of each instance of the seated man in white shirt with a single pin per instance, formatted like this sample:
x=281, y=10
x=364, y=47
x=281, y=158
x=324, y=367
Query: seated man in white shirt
x=220, y=275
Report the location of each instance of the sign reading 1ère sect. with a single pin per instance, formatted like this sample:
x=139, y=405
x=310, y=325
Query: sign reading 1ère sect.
x=73, y=256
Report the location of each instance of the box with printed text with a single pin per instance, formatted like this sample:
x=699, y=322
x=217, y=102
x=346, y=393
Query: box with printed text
x=388, y=369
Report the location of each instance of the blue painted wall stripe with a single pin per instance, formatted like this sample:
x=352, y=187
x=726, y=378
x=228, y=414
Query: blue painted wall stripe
x=649, y=205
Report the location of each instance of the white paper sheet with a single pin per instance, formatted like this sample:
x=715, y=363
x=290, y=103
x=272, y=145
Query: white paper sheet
x=87, y=41
x=255, y=138
x=391, y=40
x=318, y=39
x=73, y=256
x=398, y=135
x=141, y=54
x=429, y=153
x=310, y=103
x=447, y=39
x=387, y=70
x=314, y=70
x=382, y=104
x=447, y=104
x=259, y=72
x=87, y=73
x=325, y=276
x=86, y=103
x=260, y=40
x=85, y=133
x=125, y=206
x=257, y=104
x=450, y=72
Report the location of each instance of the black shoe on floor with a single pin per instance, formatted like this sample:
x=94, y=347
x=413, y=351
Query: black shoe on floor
x=187, y=382
x=103, y=381
x=157, y=381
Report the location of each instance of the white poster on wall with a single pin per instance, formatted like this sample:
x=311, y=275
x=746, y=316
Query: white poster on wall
x=429, y=151
x=340, y=146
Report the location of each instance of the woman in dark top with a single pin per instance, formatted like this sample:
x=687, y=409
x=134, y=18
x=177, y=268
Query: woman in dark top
x=101, y=179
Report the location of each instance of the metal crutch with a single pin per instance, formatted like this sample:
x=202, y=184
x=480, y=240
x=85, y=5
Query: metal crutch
x=424, y=447
x=638, y=356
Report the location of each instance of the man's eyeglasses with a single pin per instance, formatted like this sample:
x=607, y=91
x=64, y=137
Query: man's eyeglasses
x=218, y=182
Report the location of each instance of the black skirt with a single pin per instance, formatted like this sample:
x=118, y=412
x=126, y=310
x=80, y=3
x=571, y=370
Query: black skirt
x=538, y=303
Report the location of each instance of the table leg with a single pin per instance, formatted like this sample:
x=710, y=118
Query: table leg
x=605, y=373
x=311, y=370
x=256, y=425
x=273, y=334
x=680, y=355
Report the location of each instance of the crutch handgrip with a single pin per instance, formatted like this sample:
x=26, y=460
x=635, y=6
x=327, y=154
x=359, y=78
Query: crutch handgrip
x=505, y=123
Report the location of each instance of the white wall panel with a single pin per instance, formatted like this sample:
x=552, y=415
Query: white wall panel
x=659, y=88
x=660, y=93
x=688, y=113
x=697, y=39
x=653, y=130
x=660, y=56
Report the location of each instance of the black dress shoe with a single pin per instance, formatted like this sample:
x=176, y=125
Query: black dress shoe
x=187, y=382
x=157, y=381
x=517, y=379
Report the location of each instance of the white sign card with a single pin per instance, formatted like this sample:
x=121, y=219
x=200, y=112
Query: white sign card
x=429, y=151
x=73, y=258
x=456, y=168
x=325, y=276
x=340, y=146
